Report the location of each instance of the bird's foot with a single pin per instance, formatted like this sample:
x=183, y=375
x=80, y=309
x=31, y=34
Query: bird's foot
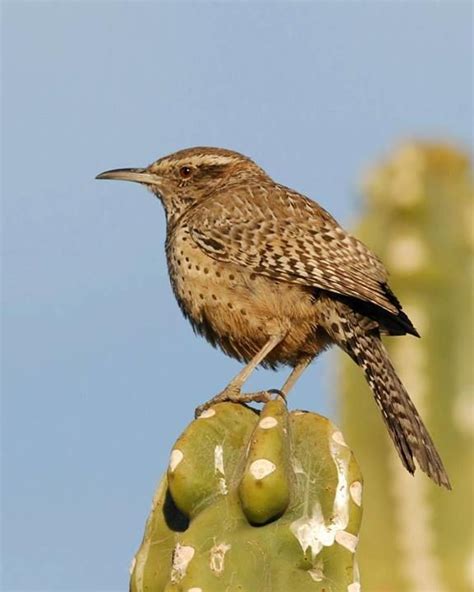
x=234, y=395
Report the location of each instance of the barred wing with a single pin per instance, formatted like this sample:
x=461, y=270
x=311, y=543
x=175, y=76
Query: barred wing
x=283, y=235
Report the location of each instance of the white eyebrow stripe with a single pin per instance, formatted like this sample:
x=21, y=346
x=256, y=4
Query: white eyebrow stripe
x=217, y=159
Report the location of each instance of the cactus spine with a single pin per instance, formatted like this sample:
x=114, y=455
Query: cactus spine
x=266, y=502
x=419, y=219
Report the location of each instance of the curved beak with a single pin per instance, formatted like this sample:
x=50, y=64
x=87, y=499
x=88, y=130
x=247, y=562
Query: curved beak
x=135, y=175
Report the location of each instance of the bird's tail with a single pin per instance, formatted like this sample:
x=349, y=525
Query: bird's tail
x=406, y=428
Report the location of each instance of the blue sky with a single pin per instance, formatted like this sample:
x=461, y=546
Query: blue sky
x=100, y=371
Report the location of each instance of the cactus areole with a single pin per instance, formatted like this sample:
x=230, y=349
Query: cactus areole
x=254, y=502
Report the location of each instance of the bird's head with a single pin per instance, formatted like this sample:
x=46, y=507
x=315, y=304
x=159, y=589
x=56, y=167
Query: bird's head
x=183, y=178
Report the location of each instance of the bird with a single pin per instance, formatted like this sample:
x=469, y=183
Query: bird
x=270, y=277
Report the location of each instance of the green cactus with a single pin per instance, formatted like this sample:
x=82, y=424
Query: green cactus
x=267, y=502
x=419, y=220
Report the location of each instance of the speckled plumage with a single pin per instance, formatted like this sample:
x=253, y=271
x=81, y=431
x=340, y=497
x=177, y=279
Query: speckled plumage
x=270, y=277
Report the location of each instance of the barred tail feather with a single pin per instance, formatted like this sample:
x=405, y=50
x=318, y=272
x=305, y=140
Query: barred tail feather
x=405, y=426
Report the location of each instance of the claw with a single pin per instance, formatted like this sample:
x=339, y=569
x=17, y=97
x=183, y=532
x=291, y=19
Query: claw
x=235, y=396
x=278, y=394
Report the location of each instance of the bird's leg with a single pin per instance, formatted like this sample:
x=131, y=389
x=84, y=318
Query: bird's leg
x=295, y=374
x=232, y=390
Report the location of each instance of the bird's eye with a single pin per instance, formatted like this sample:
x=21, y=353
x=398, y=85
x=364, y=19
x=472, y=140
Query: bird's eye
x=185, y=172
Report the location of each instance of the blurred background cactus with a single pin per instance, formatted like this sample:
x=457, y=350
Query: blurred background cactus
x=254, y=502
x=419, y=220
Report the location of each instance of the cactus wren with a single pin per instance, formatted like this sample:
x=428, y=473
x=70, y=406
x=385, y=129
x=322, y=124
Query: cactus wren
x=271, y=278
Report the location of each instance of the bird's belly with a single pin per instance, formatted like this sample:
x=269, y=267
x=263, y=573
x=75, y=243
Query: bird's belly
x=239, y=311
